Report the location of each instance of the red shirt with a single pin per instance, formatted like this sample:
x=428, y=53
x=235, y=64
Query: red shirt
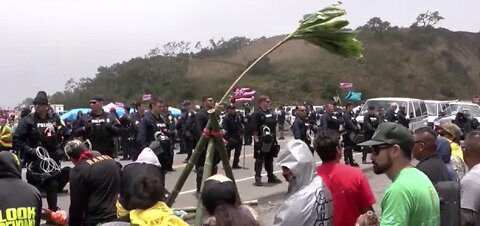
x=350, y=191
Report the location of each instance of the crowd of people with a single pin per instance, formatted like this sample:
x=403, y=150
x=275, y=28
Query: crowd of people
x=102, y=191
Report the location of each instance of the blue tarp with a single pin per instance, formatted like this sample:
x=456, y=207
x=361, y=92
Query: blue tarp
x=353, y=96
x=72, y=114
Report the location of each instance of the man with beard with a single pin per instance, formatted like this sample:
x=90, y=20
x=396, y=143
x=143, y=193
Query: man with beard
x=411, y=199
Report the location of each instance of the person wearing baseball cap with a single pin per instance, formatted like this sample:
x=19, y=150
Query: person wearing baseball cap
x=411, y=198
x=452, y=133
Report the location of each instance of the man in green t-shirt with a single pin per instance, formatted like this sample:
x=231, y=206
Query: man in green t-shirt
x=411, y=199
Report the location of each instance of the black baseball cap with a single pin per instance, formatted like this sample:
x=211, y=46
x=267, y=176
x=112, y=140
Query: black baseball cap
x=391, y=133
x=97, y=98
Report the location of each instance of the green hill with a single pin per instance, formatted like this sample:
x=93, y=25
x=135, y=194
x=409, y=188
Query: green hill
x=423, y=63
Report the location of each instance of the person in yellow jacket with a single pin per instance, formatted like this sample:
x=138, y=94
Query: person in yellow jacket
x=453, y=133
x=148, y=207
x=5, y=136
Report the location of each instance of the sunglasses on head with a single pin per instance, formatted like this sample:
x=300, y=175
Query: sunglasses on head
x=378, y=148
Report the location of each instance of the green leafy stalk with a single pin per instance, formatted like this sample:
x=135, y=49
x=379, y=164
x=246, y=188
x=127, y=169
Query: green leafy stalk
x=325, y=28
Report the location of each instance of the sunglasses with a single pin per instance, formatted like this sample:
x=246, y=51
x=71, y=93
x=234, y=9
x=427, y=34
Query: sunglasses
x=378, y=148
x=93, y=102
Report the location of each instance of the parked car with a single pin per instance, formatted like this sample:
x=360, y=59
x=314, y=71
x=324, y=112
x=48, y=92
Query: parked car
x=437, y=109
x=456, y=106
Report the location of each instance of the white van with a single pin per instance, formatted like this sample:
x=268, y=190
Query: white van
x=437, y=109
x=415, y=108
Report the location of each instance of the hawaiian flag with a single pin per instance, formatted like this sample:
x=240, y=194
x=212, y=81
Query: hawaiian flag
x=346, y=85
x=146, y=96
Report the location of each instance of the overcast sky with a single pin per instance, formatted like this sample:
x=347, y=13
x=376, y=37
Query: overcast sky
x=45, y=43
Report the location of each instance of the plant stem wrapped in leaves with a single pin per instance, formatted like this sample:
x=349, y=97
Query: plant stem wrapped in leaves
x=325, y=28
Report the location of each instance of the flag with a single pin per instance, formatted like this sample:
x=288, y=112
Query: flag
x=353, y=96
x=346, y=85
x=147, y=96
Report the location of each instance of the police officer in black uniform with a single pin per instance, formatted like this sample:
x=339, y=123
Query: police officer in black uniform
x=329, y=119
x=233, y=125
x=351, y=130
x=300, y=125
x=370, y=124
x=247, y=118
x=186, y=129
x=170, y=120
x=381, y=114
x=42, y=129
x=391, y=115
x=201, y=120
x=153, y=132
x=402, y=117
x=265, y=147
x=127, y=138
x=100, y=128
x=136, y=119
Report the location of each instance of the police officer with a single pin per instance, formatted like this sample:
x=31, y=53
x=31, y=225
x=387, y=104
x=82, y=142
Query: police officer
x=281, y=116
x=233, y=125
x=136, y=119
x=39, y=136
x=100, y=128
x=247, y=136
x=265, y=147
x=152, y=124
x=351, y=130
x=301, y=125
x=381, y=114
x=370, y=124
x=201, y=120
x=329, y=119
x=402, y=117
x=187, y=129
x=170, y=121
x=391, y=115
x=127, y=137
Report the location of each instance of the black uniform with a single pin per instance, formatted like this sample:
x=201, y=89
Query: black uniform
x=148, y=127
x=101, y=131
x=33, y=132
x=402, y=119
x=351, y=129
x=201, y=120
x=261, y=119
x=167, y=117
x=233, y=124
x=180, y=123
x=94, y=189
x=127, y=137
x=370, y=124
x=330, y=121
x=391, y=116
x=281, y=122
x=188, y=132
x=16, y=195
x=299, y=129
x=247, y=135
x=136, y=119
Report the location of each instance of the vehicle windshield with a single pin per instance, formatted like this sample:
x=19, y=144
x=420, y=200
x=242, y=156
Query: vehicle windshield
x=473, y=110
x=432, y=109
x=380, y=103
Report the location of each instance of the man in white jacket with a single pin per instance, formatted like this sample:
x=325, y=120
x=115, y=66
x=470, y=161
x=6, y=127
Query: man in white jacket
x=308, y=200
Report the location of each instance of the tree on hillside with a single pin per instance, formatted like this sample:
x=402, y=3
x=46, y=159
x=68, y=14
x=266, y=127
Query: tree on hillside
x=376, y=24
x=427, y=19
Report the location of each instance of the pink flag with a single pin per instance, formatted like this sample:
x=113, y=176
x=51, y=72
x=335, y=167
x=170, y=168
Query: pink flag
x=346, y=85
x=147, y=96
x=119, y=104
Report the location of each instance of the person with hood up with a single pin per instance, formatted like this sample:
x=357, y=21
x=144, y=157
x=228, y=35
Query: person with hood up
x=20, y=202
x=308, y=201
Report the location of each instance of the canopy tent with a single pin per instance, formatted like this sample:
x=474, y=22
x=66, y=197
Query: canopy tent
x=72, y=114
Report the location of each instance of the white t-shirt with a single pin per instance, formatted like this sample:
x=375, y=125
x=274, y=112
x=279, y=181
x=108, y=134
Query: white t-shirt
x=470, y=189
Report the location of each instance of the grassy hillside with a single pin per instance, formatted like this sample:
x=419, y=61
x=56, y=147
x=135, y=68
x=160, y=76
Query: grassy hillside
x=423, y=63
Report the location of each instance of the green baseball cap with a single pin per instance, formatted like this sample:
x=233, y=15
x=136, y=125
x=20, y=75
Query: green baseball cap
x=391, y=133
